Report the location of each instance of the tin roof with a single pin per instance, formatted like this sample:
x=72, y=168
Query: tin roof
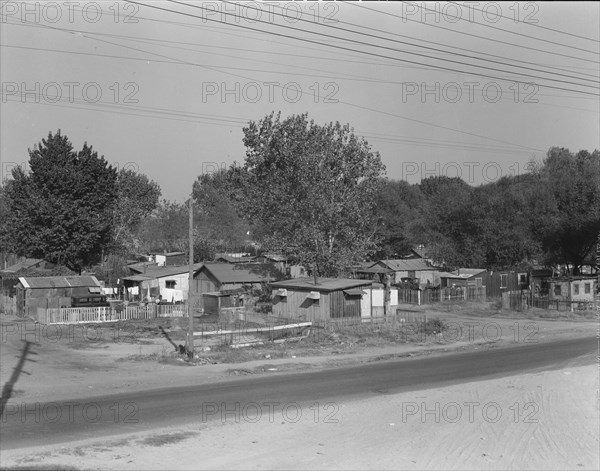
x=247, y=273
x=374, y=269
x=323, y=284
x=234, y=259
x=462, y=273
x=45, y=282
x=154, y=272
x=408, y=264
x=141, y=266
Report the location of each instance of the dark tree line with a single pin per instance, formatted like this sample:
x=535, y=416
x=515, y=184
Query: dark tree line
x=548, y=216
x=316, y=193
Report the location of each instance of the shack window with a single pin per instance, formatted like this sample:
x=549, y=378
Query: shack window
x=575, y=288
x=479, y=282
x=522, y=278
x=504, y=281
x=170, y=284
x=588, y=288
x=557, y=291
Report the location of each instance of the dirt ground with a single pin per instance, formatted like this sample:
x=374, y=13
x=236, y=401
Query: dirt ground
x=546, y=420
x=90, y=360
x=393, y=433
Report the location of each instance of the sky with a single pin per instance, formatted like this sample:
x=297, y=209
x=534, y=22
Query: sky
x=165, y=88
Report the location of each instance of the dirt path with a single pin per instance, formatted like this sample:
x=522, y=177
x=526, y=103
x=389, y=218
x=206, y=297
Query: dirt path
x=72, y=366
x=547, y=420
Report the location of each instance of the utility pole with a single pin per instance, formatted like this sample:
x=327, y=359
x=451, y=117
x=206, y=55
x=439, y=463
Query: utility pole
x=190, y=309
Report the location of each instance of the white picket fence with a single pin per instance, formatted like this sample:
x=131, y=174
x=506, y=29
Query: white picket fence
x=78, y=315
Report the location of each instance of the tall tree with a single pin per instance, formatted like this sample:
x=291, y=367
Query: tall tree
x=447, y=224
x=502, y=217
x=572, y=183
x=62, y=210
x=166, y=229
x=399, y=206
x=218, y=224
x=312, y=189
x=137, y=197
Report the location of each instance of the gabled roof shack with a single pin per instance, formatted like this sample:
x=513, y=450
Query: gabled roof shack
x=409, y=264
x=154, y=272
x=463, y=273
x=234, y=259
x=51, y=282
x=232, y=273
x=325, y=285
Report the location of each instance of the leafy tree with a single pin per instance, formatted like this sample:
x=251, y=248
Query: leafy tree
x=312, y=190
x=447, y=224
x=166, y=229
x=503, y=222
x=62, y=210
x=217, y=223
x=572, y=223
x=137, y=197
x=399, y=206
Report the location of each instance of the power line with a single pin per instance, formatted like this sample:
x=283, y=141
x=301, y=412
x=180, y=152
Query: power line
x=402, y=51
x=553, y=30
x=346, y=76
x=374, y=54
x=516, y=33
x=154, y=40
x=301, y=92
x=471, y=34
x=360, y=26
x=423, y=47
x=216, y=120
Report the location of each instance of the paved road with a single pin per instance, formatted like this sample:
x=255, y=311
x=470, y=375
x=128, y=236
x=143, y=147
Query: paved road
x=40, y=424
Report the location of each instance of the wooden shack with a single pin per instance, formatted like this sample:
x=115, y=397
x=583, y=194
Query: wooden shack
x=330, y=298
x=46, y=292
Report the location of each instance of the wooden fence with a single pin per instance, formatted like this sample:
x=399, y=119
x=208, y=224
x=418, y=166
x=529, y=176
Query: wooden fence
x=77, y=315
x=522, y=300
x=437, y=295
x=8, y=305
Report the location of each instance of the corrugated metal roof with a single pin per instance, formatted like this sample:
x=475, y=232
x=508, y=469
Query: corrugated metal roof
x=141, y=266
x=462, y=273
x=60, y=281
x=324, y=284
x=375, y=269
x=410, y=264
x=468, y=271
x=161, y=272
x=249, y=273
x=137, y=278
x=234, y=259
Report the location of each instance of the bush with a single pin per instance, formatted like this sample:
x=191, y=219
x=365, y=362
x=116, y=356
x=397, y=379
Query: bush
x=432, y=326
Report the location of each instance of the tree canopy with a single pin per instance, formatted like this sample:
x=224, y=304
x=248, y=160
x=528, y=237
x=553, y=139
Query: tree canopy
x=309, y=190
x=62, y=210
x=73, y=207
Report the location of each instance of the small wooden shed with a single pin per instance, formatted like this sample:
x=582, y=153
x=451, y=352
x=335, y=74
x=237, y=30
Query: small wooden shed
x=46, y=292
x=330, y=298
